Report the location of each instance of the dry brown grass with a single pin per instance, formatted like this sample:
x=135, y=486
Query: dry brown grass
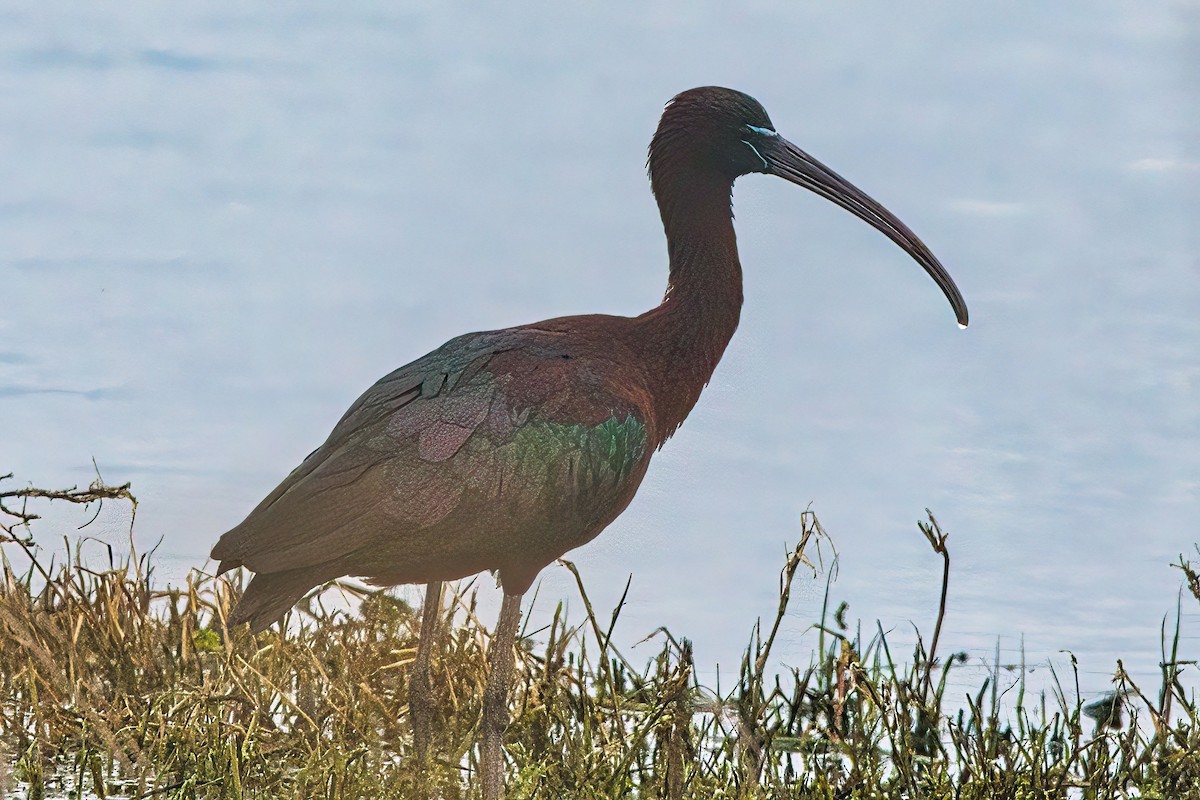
x=130, y=688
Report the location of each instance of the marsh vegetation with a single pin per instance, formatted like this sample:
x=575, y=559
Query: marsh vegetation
x=112, y=686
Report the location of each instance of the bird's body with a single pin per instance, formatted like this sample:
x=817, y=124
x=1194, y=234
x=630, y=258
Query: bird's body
x=503, y=450
x=497, y=451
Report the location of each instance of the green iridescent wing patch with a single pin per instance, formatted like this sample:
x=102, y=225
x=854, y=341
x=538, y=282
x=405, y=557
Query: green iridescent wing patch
x=614, y=446
x=553, y=455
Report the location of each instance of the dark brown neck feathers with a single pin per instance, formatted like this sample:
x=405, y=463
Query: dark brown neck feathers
x=683, y=339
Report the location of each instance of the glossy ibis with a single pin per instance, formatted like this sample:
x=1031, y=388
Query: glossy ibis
x=505, y=449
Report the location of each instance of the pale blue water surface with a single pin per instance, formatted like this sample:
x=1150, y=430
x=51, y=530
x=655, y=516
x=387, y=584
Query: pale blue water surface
x=220, y=222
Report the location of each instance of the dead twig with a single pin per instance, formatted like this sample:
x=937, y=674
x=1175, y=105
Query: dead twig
x=15, y=502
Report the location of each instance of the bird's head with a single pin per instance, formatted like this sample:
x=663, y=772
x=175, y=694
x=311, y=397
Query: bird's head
x=708, y=129
x=717, y=131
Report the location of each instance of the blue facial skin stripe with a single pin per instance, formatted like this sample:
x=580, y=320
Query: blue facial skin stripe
x=766, y=166
x=761, y=131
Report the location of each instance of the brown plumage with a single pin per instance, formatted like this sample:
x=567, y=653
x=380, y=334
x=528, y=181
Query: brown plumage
x=489, y=453
x=503, y=450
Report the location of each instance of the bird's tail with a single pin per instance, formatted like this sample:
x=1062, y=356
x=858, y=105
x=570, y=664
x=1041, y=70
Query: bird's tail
x=270, y=595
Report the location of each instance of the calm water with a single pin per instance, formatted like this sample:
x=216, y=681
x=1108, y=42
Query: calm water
x=219, y=225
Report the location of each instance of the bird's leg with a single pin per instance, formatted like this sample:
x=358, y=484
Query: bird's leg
x=420, y=697
x=495, y=698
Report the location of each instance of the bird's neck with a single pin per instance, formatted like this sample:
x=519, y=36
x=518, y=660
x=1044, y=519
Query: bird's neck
x=684, y=337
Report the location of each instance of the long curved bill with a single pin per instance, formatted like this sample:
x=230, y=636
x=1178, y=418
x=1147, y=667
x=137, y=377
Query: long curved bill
x=793, y=164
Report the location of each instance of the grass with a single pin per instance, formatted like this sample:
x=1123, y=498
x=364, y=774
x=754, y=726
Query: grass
x=112, y=683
